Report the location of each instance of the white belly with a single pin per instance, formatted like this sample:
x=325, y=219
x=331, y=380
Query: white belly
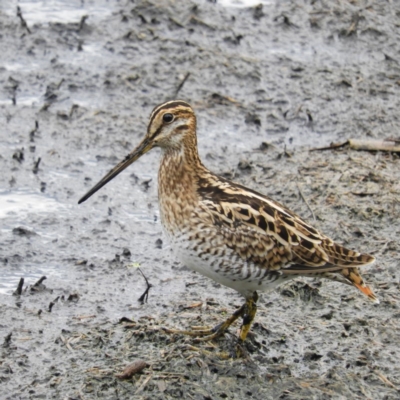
x=229, y=270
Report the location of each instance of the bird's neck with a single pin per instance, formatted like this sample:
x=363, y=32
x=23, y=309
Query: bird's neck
x=178, y=176
x=179, y=170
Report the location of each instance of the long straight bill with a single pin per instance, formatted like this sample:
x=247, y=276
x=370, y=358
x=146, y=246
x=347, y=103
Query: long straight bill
x=143, y=148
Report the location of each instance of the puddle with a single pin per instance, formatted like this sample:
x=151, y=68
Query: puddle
x=22, y=100
x=64, y=11
x=9, y=277
x=23, y=208
x=18, y=204
x=31, y=211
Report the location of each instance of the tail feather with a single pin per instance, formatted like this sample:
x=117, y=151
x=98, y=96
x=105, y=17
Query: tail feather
x=342, y=256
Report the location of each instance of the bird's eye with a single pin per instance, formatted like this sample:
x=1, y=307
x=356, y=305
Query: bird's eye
x=168, y=117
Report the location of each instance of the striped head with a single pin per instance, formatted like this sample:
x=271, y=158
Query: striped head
x=171, y=125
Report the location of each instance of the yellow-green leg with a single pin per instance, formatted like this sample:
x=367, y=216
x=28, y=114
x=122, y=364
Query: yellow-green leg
x=220, y=329
x=247, y=311
x=250, y=310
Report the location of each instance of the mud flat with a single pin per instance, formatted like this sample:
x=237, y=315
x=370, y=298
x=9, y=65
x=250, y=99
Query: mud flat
x=268, y=84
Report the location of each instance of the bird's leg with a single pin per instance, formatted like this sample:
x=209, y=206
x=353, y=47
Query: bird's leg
x=250, y=309
x=247, y=311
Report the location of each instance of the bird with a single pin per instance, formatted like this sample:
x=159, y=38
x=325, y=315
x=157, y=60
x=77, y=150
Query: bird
x=232, y=234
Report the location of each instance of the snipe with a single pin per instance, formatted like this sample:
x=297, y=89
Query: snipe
x=232, y=234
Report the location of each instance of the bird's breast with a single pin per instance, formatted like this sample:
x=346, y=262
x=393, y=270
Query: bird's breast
x=177, y=194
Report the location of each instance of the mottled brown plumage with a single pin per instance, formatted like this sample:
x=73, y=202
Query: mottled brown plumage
x=230, y=233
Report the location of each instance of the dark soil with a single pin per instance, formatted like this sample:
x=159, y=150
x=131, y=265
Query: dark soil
x=267, y=83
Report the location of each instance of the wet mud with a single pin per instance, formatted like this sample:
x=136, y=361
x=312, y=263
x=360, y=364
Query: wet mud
x=268, y=83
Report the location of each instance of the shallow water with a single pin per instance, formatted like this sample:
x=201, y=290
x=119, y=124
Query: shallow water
x=16, y=205
x=63, y=11
x=22, y=213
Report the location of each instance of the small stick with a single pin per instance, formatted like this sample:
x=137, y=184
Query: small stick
x=305, y=201
x=82, y=22
x=354, y=24
x=7, y=340
x=177, y=23
x=73, y=109
x=18, y=291
x=331, y=147
x=144, y=384
x=365, y=144
x=39, y=281
x=33, y=131
x=374, y=145
x=385, y=380
x=144, y=297
x=126, y=319
x=36, y=169
x=181, y=84
x=23, y=22
x=60, y=83
x=195, y=20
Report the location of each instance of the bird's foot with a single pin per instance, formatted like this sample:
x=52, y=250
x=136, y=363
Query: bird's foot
x=223, y=355
x=237, y=351
x=214, y=333
x=202, y=334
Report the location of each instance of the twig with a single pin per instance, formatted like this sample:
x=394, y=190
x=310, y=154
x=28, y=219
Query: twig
x=181, y=84
x=82, y=22
x=23, y=22
x=374, y=145
x=36, y=169
x=125, y=319
x=305, y=201
x=7, y=340
x=332, y=146
x=365, y=144
x=73, y=109
x=143, y=385
x=40, y=281
x=176, y=22
x=33, y=131
x=385, y=380
x=18, y=291
x=194, y=20
x=144, y=297
x=66, y=342
x=354, y=24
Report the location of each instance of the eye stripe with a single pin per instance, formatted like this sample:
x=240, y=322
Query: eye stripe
x=157, y=132
x=182, y=127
